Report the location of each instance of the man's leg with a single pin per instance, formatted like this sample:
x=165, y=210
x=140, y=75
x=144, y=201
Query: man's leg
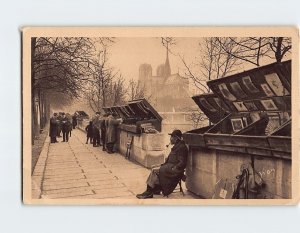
x=152, y=183
x=64, y=136
x=67, y=135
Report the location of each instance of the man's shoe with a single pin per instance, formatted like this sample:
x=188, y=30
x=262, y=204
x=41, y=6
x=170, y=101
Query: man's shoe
x=145, y=195
x=157, y=192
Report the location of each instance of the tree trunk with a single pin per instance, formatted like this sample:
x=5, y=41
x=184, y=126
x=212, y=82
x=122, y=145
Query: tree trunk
x=34, y=126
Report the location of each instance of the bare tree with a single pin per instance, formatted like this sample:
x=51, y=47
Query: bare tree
x=106, y=86
x=167, y=42
x=253, y=49
x=136, y=90
x=212, y=64
x=58, y=65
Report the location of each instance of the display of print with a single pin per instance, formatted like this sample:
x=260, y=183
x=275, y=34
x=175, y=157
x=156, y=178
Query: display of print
x=276, y=85
x=240, y=106
x=226, y=93
x=237, y=124
x=221, y=105
x=249, y=84
x=267, y=89
x=273, y=124
x=236, y=88
x=269, y=104
x=254, y=116
x=245, y=121
x=207, y=105
x=250, y=106
x=284, y=117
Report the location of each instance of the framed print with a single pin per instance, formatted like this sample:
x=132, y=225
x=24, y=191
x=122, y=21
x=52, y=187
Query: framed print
x=237, y=124
x=207, y=105
x=240, y=106
x=226, y=93
x=273, y=124
x=267, y=89
x=250, y=106
x=237, y=90
x=249, y=84
x=276, y=85
x=269, y=104
x=254, y=116
x=221, y=104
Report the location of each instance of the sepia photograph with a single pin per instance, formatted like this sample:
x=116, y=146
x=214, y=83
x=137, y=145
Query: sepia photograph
x=110, y=115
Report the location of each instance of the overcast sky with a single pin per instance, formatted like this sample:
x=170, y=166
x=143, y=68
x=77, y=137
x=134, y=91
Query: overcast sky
x=128, y=53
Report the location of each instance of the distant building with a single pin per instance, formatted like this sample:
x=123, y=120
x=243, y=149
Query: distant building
x=168, y=92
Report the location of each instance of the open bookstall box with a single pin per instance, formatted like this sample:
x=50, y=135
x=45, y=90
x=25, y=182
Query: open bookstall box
x=141, y=129
x=250, y=122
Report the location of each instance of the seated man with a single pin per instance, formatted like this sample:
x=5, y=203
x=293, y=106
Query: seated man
x=166, y=177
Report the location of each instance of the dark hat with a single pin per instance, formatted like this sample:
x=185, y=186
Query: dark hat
x=98, y=113
x=55, y=114
x=176, y=133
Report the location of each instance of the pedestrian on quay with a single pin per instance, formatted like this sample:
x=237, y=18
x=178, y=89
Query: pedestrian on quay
x=96, y=127
x=103, y=131
x=53, y=128
x=74, y=120
x=165, y=178
x=59, y=124
x=111, y=131
x=65, y=127
x=70, y=124
x=89, y=132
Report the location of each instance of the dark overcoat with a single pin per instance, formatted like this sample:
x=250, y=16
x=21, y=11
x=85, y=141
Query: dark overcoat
x=65, y=124
x=172, y=170
x=111, y=129
x=89, y=130
x=53, y=127
x=74, y=120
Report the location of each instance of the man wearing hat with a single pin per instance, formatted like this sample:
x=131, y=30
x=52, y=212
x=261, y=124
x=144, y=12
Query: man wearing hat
x=96, y=126
x=53, y=128
x=165, y=178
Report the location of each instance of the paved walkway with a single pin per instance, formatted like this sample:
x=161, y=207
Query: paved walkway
x=77, y=170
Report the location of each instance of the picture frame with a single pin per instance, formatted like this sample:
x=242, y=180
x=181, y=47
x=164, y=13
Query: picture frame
x=269, y=104
x=239, y=105
x=267, y=89
x=251, y=106
x=238, y=91
x=249, y=84
x=276, y=85
x=225, y=92
x=237, y=124
x=207, y=105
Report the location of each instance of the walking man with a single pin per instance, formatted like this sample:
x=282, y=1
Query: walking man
x=103, y=131
x=74, y=120
x=65, y=127
x=96, y=127
x=53, y=128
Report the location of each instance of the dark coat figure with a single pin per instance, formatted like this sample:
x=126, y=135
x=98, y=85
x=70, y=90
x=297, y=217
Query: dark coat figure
x=111, y=132
x=74, y=121
x=59, y=125
x=65, y=128
x=172, y=170
x=167, y=176
x=89, y=132
x=53, y=128
x=103, y=131
x=96, y=129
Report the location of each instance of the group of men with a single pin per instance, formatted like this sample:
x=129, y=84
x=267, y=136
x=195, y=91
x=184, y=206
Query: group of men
x=102, y=131
x=61, y=123
x=162, y=179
